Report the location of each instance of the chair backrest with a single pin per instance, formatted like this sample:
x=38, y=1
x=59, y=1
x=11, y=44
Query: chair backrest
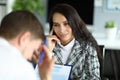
x=102, y=51
x=111, y=63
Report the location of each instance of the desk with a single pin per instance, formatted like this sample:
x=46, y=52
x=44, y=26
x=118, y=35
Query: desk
x=109, y=44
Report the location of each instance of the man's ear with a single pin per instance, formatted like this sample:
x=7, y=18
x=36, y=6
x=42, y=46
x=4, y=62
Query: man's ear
x=24, y=38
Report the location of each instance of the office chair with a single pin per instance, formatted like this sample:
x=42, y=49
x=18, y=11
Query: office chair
x=102, y=51
x=111, y=65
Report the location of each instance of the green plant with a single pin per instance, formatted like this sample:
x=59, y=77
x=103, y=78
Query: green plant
x=30, y=5
x=110, y=24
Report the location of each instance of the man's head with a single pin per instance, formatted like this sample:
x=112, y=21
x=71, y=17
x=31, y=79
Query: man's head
x=23, y=30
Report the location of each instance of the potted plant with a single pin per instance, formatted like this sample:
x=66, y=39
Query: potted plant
x=111, y=29
x=34, y=6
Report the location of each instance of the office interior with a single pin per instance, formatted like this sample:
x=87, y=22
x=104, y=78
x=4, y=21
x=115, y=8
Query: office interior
x=104, y=10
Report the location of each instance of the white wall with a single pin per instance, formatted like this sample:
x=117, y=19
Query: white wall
x=101, y=16
x=2, y=8
x=9, y=5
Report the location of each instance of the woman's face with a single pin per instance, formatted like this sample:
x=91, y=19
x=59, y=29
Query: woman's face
x=62, y=28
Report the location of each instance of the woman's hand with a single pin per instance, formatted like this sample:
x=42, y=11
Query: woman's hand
x=52, y=40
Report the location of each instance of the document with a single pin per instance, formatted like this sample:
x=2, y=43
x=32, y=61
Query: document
x=61, y=72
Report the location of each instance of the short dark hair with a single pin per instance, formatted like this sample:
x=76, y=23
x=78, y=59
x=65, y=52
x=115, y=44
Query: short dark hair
x=18, y=22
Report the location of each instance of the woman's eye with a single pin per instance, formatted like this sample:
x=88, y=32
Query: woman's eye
x=55, y=25
x=66, y=24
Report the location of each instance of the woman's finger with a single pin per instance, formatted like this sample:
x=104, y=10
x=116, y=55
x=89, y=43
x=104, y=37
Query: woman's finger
x=51, y=32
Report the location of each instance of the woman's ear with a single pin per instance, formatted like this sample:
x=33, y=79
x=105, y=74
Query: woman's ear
x=24, y=38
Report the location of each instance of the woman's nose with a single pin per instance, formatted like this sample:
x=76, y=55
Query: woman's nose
x=62, y=28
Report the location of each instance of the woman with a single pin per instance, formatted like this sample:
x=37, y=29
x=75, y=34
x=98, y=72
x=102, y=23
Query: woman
x=77, y=46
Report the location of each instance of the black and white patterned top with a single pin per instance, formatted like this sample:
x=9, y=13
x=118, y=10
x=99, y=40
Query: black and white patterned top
x=84, y=61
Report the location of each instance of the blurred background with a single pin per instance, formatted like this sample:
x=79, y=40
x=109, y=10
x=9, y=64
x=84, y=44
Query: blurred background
x=95, y=14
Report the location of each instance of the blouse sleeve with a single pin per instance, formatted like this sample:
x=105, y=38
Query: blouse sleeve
x=92, y=66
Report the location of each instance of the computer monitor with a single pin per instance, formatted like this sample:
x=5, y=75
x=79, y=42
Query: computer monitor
x=85, y=8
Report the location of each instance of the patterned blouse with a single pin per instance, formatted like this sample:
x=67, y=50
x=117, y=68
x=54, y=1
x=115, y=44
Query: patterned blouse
x=85, y=62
